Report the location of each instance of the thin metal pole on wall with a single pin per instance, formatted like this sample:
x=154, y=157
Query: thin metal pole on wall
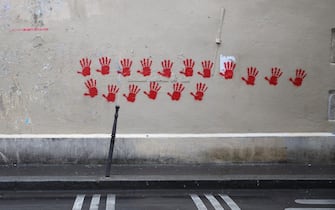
x=111, y=146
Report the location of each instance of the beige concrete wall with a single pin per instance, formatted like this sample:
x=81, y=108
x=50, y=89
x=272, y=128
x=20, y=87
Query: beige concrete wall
x=40, y=91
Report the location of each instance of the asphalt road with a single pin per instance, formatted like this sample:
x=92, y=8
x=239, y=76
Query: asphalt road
x=253, y=199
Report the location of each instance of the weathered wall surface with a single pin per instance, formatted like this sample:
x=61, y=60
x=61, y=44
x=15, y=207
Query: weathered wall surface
x=171, y=150
x=41, y=92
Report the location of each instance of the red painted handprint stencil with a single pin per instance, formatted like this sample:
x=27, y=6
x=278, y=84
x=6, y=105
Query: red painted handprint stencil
x=177, y=90
x=275, y=74
x=133, y=91
x=146, y=67
x=206, y=69
x=252, y=74
x=154, y=88
x=229, y=70
x=104, y=62
x=299, y=77
x=126, y=65
x=92, y=88
x=167, y=66
x=188, y=69
x=85, y=67
x=112, y=91
x=201, y=89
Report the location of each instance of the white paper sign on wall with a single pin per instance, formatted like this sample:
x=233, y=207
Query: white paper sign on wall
x=224, y=59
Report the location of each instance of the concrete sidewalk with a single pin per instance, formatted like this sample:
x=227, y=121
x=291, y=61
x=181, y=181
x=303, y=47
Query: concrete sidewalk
x=62, y=177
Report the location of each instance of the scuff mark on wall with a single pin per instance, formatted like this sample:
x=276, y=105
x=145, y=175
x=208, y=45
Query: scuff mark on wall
x=4, y=14
x=77, y=9
x=38, y=41
x=13, y=106
x=43, y=87
x=9, y=57
x=3, y=69
x=39, y=9
x=34, y=13
x=2, y=107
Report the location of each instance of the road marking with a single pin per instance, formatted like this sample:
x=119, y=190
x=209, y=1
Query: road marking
x=309, y=209
x=110, y=202
x=198, y=202
x=78, y=203
x=315, y=201
x=230, y=202
x=215, y=203
x=95, y=202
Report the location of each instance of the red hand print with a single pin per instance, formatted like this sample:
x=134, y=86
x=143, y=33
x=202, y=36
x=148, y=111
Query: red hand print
x=177, y=90
x=252, y=74
x=112, y=91
x=133, y=90
x=206, y=69
x=229, y=70
x=146, y=67
x=299, y=77
x=188, y=69
x=104, y=62
x=85, y=67
x=154, y=88
x=275, y=74
x=201, y=89
x=167, y=66
x=92, y=88
x=126, y=65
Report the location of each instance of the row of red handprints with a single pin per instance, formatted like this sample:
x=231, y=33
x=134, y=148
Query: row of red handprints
x=189, y=64
x=154, y=88
x=146, y=63
x=113, y=90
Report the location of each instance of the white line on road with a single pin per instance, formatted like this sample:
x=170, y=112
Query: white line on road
x=198, y=202
x=315, y=201
x=230, y=202
x=214, y=202
x=309, y=209
x=110, y=202
x=78, y=203
x=95, y=202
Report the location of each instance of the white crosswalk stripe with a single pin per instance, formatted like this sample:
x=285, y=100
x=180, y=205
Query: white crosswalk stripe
x=215, y=203
x=110, y=202
x=198, y=202
x=78, y=203
x=230, y=202
x=95, y=201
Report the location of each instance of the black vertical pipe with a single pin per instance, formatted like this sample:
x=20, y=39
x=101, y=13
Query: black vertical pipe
x=111, y=146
